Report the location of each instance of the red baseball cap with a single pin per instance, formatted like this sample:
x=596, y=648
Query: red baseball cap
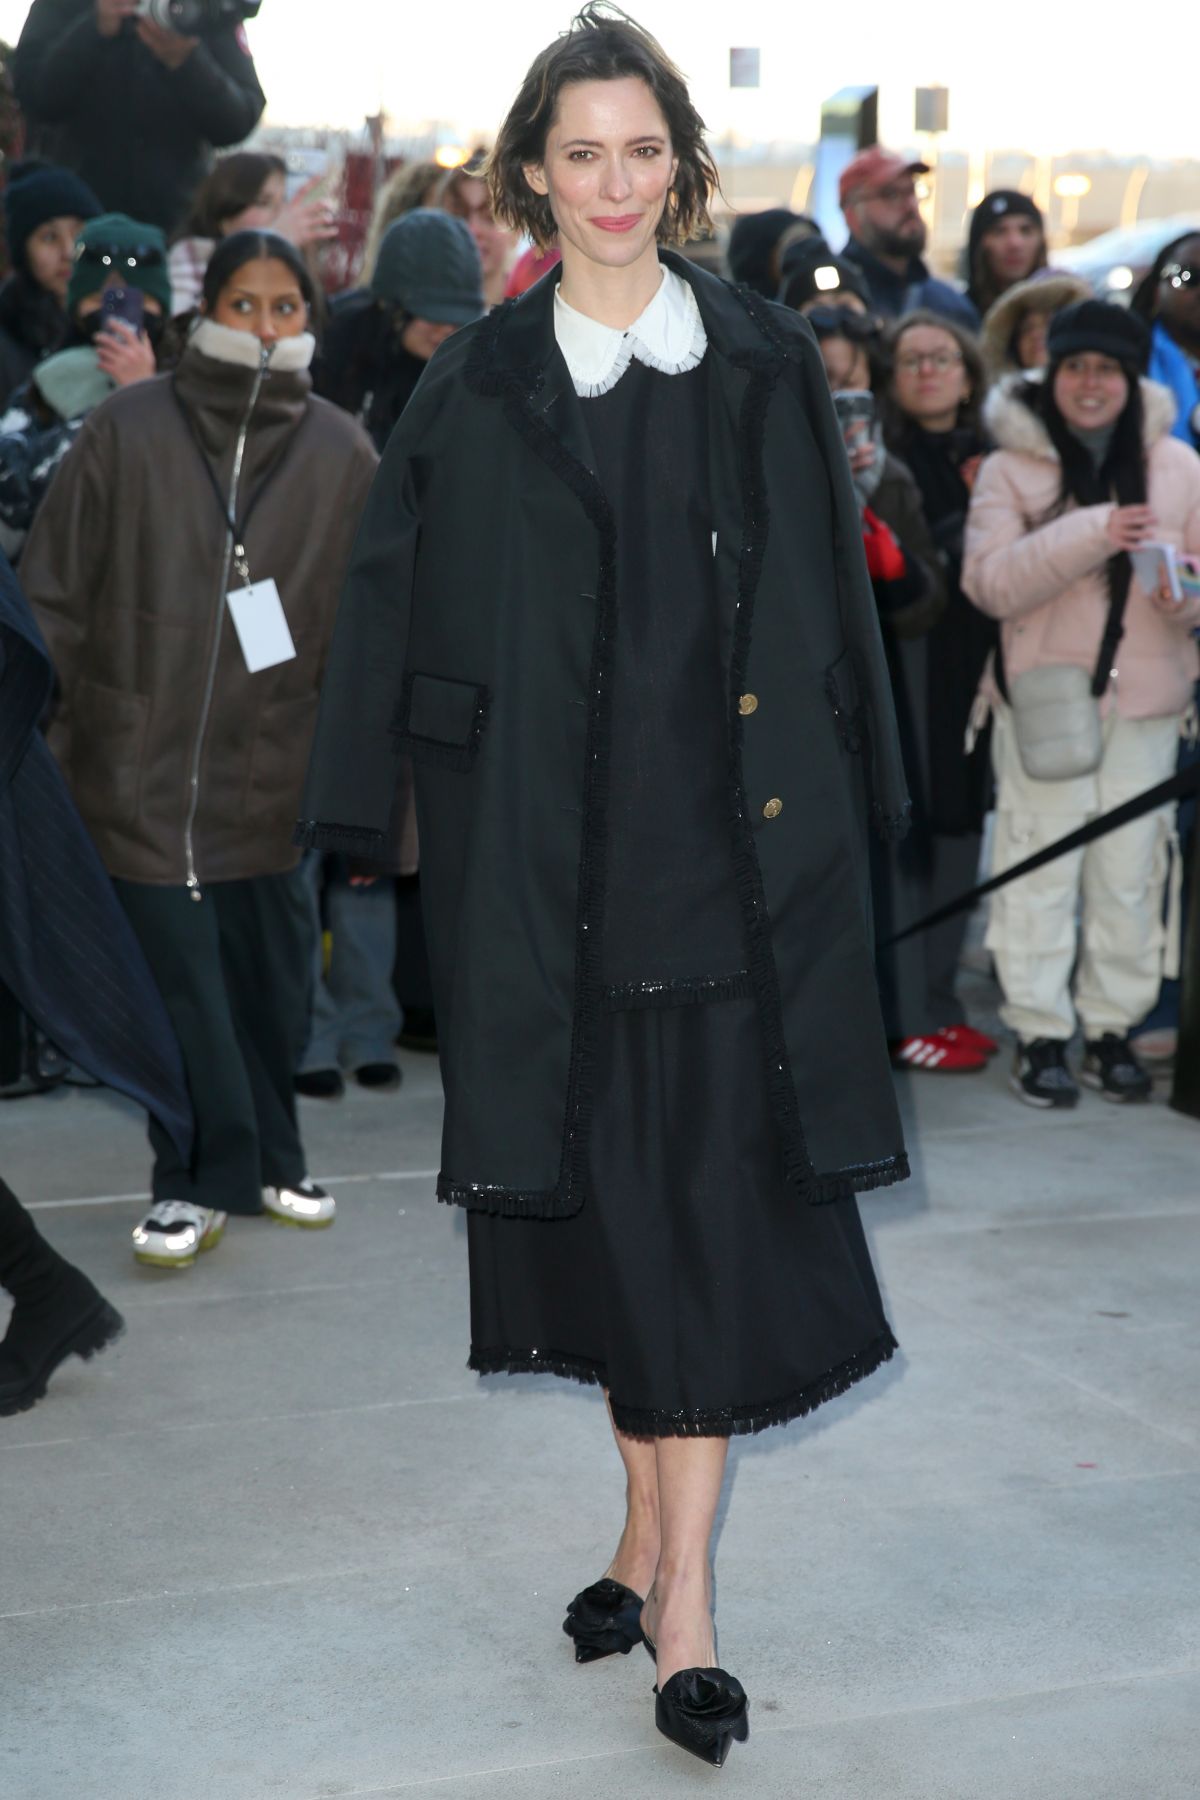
x=875, y=168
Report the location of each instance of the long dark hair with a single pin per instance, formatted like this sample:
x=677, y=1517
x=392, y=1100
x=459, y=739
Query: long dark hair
x=1123, y=471
x=241, y=247
x=1122, y=475
x=233, y=184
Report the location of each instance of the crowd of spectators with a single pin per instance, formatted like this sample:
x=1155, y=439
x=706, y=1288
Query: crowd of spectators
x=186, y=415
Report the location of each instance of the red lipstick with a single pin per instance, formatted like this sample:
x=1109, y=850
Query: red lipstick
x=618, y=222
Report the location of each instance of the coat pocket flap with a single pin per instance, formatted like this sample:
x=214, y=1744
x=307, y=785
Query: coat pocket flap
x=440, y=719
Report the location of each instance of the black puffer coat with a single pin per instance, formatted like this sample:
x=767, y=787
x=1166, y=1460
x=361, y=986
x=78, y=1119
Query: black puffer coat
x=476, y=635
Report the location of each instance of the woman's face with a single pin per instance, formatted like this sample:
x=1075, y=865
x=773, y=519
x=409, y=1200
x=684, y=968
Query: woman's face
x=50, y=254
x=1029, y=343
x=1012, y=249
x=929, y=377
x=421, y=337
x=263, y=297
x=468, y=200
x=1090, y=391
x=265, y=210
x=846, y=365
x=607, y=171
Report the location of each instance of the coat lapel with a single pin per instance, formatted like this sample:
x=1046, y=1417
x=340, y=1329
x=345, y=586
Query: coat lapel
x=517, y=358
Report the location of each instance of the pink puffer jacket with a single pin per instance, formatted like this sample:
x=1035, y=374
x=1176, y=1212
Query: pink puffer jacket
x=1046, y=583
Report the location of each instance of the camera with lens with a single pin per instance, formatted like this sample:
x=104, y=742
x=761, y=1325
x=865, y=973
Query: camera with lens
x=198, y=18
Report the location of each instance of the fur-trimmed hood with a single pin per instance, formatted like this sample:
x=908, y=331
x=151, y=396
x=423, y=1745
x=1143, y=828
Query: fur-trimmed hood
x=1012, y=425
x=1048, y=292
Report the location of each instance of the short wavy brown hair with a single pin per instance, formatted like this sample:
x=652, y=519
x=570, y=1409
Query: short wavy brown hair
x=601, y=44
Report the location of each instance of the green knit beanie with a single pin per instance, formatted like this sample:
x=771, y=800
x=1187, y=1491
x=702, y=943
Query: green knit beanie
x=116, y=245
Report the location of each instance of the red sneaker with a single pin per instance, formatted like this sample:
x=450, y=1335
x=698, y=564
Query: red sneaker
x=937, y=1054
x=967, y=1035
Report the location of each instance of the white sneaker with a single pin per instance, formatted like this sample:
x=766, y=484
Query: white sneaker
x=305, y=1204
x=173, y=1233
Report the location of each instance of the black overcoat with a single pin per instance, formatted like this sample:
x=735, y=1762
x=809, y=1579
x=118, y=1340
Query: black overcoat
x=67, y=951
x=476, y=636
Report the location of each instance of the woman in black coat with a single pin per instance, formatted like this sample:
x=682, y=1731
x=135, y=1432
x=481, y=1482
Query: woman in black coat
x=610, y=596
x=934, y=423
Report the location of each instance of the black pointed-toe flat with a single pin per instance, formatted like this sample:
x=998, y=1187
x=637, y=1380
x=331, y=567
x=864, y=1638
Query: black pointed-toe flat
x=604, y=1620
x=704, y=1711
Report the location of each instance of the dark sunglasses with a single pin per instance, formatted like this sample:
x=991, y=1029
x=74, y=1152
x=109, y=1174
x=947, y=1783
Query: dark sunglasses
x=842, y=321
x=112, y=256
x=1181, y=275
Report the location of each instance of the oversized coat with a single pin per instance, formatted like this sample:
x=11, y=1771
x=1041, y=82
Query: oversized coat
x=476, y=636
x=127, y=571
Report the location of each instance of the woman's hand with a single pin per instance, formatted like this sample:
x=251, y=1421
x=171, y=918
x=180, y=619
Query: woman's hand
x=1129, y=526
x=862, y=456
x=968, y=470
x=124, y=354
x=1187, y=610
x=306, y=220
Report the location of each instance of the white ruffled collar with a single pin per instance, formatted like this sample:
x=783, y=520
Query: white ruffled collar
x=668, y=335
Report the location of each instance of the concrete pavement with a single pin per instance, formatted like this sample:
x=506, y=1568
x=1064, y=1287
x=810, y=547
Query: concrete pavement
x=278, y=1544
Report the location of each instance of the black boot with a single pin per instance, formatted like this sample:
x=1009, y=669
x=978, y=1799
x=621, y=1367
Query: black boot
x=56, y=1313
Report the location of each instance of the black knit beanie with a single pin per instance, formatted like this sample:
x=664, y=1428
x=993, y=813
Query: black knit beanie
x=37, y=192
x=1101, y=327
x=751, y=244
x=1002, y=204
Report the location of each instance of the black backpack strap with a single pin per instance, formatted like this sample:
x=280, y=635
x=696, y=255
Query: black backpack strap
x=1120, y=574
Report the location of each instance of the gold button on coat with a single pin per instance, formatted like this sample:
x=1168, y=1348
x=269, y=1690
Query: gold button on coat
x=748, y=704
x=772, y=809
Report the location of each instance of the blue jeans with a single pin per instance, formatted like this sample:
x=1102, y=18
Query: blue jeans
x=355, y=1015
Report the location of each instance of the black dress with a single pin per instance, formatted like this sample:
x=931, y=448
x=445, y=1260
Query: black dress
x=693, y=1283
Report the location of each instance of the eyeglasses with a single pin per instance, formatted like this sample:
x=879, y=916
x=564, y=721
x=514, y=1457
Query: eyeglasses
x=110, y=256
x=913, y=361
x=1180, y=275
x=843, y=321
x=896, y=192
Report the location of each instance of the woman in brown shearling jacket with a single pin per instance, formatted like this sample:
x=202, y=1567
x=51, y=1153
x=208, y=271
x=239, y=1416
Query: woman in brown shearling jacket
x=183, y=735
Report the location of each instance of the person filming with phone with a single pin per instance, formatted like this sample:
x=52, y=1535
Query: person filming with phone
x=118, y=303
x=1073, y=535
x=136, y=94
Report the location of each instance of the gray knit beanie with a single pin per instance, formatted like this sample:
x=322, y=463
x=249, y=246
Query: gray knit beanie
x=429, y=267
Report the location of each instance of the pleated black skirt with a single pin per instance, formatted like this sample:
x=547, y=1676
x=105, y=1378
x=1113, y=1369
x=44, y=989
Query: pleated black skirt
x=694, y=1283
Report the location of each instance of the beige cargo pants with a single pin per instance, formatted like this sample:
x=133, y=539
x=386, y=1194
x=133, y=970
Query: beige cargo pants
x=1095, y=913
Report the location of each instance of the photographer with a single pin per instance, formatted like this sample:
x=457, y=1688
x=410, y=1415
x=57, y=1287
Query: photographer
x=137, y=107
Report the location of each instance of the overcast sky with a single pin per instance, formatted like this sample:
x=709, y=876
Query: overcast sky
x=1039, y=75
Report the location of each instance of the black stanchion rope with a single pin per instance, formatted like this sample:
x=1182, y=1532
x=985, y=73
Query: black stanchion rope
x=1178, y=787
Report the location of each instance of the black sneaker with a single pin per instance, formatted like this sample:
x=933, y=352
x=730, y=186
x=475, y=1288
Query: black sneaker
x=1040, y=1074
x=382, y=1076
x=1110, y=1066
x=320, y=1084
